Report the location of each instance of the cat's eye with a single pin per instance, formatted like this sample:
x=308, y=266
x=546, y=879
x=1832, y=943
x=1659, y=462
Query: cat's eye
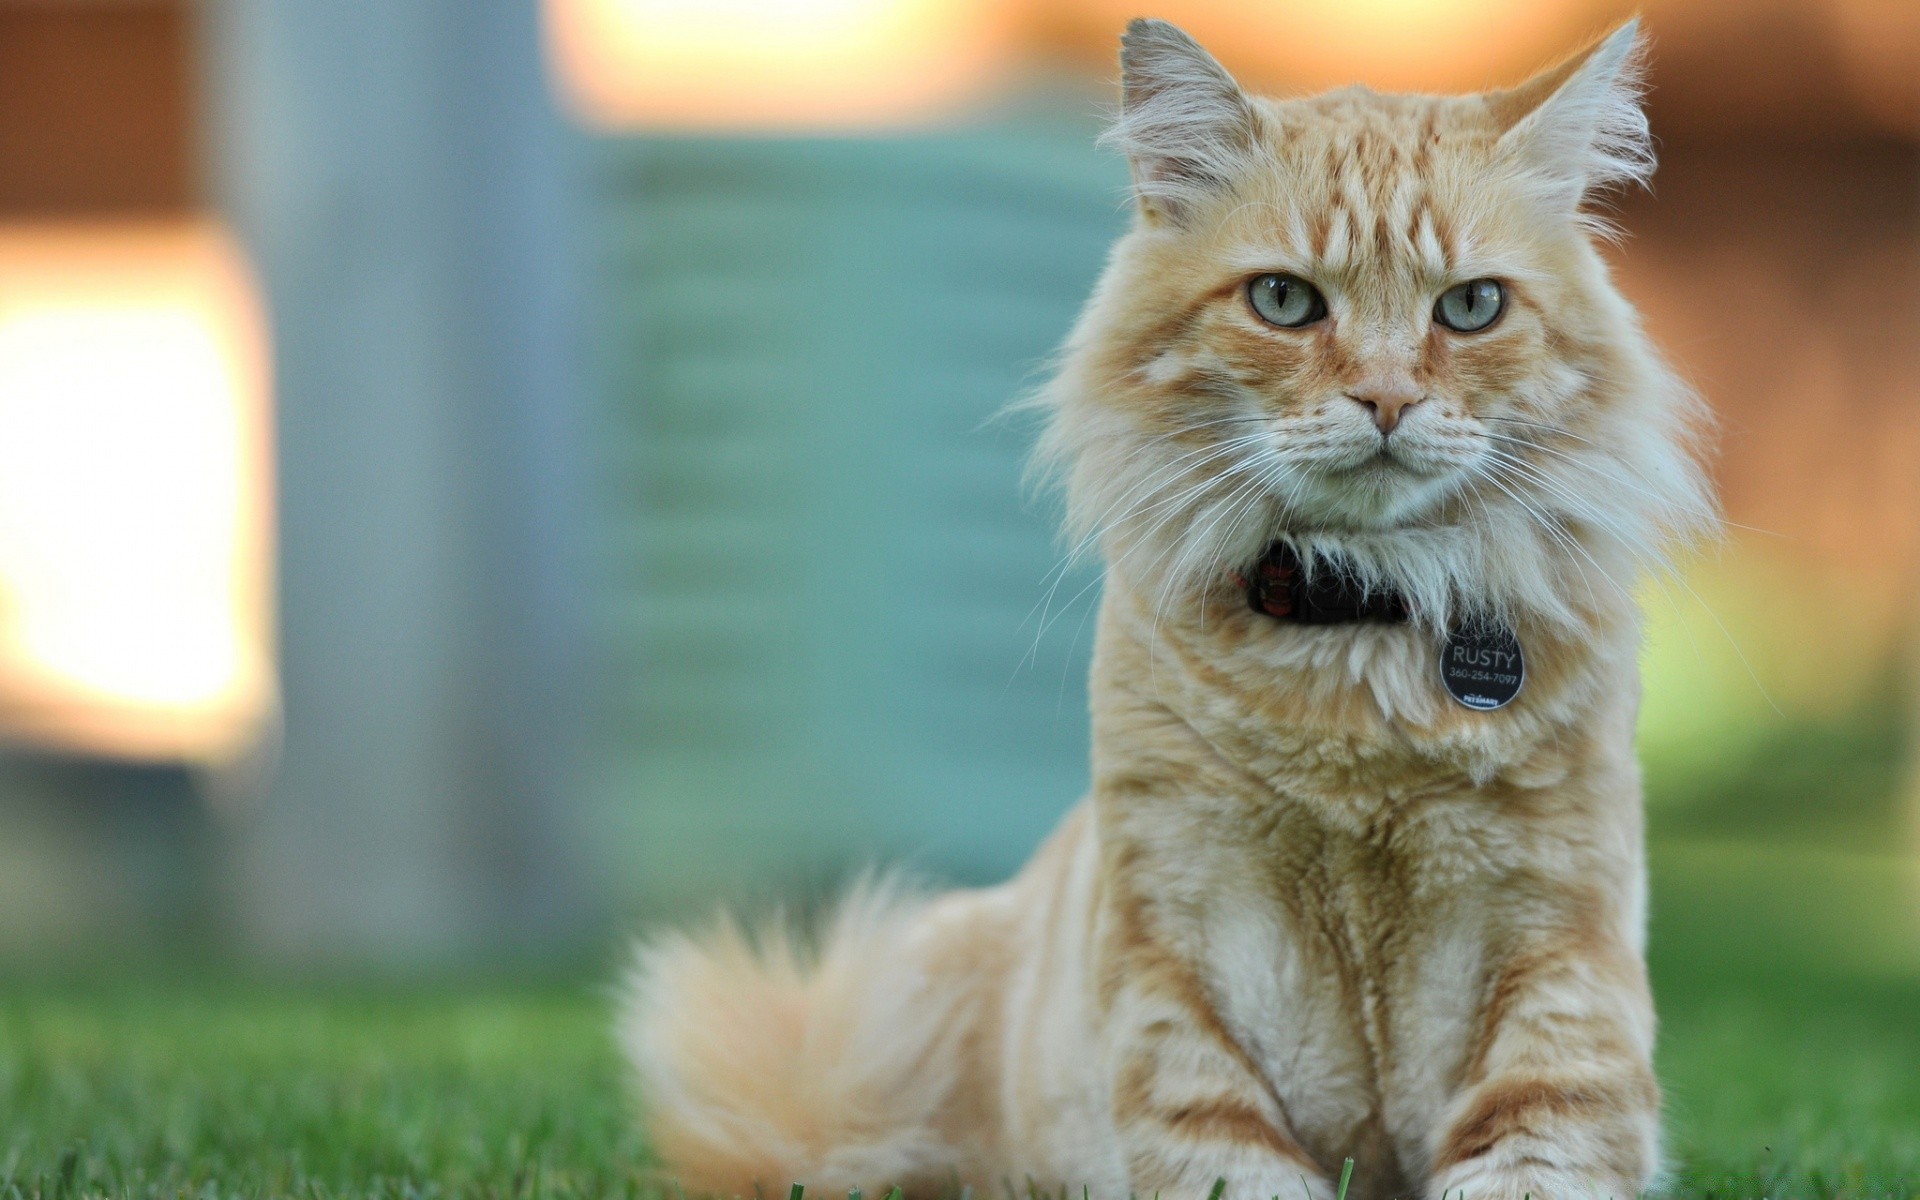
x=1470, y=307
x=1285, y=300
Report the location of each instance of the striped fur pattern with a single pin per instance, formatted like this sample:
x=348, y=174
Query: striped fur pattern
x=1312, y=909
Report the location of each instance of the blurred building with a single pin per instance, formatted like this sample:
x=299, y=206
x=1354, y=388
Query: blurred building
x=134, y=510
x=1778, y=261
x=375, y=765
x=474, y=471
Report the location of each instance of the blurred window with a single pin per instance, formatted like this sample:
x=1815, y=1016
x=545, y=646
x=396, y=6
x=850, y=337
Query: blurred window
x=95, y=103
x=776, y=64
x=133, y=402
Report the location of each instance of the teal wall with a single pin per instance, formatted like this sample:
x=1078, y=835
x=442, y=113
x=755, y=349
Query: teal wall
x=820, y=573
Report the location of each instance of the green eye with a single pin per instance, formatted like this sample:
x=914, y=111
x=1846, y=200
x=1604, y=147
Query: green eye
x=1470, y=307
x=1285, y=300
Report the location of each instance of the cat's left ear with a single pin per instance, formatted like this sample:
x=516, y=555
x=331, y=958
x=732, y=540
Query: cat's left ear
x=1578, y=127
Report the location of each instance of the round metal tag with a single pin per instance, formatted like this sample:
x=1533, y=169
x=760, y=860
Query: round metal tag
x=1481, y=666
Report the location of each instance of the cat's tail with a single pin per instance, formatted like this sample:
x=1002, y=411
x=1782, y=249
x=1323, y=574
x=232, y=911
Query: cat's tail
x=764, y=1061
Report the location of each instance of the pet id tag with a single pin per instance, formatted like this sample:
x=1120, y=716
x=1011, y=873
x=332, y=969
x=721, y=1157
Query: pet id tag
x=1481, y=666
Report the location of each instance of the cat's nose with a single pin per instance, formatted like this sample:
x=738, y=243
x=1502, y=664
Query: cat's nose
x=1386, y=401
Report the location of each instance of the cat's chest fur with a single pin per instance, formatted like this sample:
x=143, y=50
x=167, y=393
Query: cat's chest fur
x=1351, y=971
x=1346, y=858
x=1345, y=895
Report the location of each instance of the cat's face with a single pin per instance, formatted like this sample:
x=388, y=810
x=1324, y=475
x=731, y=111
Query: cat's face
x=1371, y=296
x=1356, y=313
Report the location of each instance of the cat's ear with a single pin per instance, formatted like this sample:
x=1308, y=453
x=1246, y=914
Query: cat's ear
x=1184, y=124
x=1578, y=127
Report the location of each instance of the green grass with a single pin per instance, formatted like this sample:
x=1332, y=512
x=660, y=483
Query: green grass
x=1785, y=950
x=202, y=1091
x=1793, y=1085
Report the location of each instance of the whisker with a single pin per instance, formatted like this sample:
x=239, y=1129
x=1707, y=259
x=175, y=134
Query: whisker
x=1703, y=512
x=1173, y=504
x=1641, y=488
x=1561, y=535
x=1250, y=490
x=1668, y=570
x=1133, y=498
x=1533, y=518
x=1166, y=468
x=1663, y=567
x=1733, y=643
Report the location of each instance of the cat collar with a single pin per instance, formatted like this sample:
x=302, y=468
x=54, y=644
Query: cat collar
x=1277, y=587
x=1481, y=664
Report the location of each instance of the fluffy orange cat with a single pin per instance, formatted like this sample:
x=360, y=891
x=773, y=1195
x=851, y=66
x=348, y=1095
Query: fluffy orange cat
x=1354, y=412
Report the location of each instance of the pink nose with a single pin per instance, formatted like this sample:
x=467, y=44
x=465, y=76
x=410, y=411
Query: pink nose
x=1387, y=401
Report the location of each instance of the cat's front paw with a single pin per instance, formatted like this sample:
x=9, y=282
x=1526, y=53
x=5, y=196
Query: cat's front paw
x=1528, y=1180
x=1282, y=1183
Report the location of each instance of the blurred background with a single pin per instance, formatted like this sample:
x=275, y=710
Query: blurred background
x=478, y=475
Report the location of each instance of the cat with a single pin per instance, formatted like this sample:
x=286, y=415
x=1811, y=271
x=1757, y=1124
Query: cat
x=1315, y=907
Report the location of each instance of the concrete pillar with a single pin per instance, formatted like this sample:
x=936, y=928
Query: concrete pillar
x=400, y=179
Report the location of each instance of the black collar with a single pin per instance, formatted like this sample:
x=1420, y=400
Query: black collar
x=1277, y=587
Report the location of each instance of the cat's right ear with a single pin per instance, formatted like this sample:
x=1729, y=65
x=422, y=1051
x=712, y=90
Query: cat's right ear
x=1185, y=125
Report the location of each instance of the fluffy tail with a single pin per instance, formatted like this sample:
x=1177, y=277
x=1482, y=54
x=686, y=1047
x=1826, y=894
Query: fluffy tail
x=762, y=1064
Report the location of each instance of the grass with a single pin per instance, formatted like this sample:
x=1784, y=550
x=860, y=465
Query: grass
x=1794, y=1085
x=205, y=1091
x=1786, y=968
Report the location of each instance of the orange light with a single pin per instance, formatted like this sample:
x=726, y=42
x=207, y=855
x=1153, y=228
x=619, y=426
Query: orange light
x=133, y=491
x=1305, y=46
x=770, y=64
